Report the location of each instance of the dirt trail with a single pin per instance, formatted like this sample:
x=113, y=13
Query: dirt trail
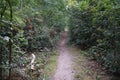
x=71, y=65
x=64, y=67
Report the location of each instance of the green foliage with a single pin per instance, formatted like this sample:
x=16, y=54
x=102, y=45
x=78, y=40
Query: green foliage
x=29, y=24
x=94, y=25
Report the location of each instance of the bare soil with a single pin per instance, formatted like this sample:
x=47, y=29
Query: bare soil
x=72, y=64
x=64, y=64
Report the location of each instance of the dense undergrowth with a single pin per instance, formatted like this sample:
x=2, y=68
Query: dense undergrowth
x=28, y=26
x=34, y=26
x=95, y=27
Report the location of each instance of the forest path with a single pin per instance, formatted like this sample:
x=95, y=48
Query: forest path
x=64, y=64
x=71, y=65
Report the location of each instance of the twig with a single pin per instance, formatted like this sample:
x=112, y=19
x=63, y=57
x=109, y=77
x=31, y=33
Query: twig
x=32, y=62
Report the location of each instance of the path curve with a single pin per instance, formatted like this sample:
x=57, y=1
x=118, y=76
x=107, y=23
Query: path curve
x=64, y=65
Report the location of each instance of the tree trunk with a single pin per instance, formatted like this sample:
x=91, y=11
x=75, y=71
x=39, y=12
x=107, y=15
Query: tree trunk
x=10, y=58
x=1, y=67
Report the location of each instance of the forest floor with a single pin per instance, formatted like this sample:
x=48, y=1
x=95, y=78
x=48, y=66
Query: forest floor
x=85, y=68
x=72, y=64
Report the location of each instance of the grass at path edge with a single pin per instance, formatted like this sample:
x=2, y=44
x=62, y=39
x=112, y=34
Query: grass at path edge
x=51, y=65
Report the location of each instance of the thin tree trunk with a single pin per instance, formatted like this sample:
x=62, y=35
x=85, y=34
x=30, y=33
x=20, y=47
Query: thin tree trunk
x=1, y=67
x=11, y=11
x=10, y=43
x=3, y=11
x=10, y=58
x=21, y=4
